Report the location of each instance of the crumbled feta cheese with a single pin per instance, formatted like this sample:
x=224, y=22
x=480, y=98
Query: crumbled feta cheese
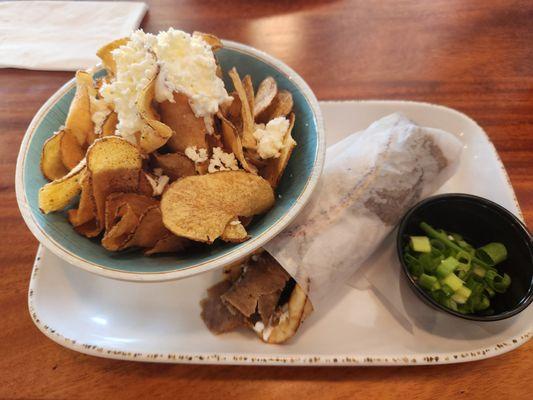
x=180, y=62
x=136, y=66
x=188, y=66
x=267, y=332
x=99, y=112
x=195, y=154
x=270, y=137
x=158, y=184
x=259, y=326
x=221, y=161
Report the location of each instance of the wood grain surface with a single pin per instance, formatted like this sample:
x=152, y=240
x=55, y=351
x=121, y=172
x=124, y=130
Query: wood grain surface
x=475, y=56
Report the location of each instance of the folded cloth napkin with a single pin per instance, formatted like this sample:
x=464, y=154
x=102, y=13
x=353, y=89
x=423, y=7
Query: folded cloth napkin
x=62, y=35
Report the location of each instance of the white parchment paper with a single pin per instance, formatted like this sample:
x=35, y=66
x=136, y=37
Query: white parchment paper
x=370, y=180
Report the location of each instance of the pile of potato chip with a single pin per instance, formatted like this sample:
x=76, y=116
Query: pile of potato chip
x=152, y=194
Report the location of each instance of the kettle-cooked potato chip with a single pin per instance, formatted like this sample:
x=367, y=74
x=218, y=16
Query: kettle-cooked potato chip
x=117, y=237
x=188, y=129
x=280, y=106
x=210, y=39
x=249, y=90
x=86, y=210
x=145, y=187
x=58, y=194
x=89, y=229
x=232, y=111
x=52, y=165
x=150, y=229
x=105, y=54
x=115, y=166
x=248, y=126
x=174, y=165
x=83, y=218
x=233, y=143
x=169, y=244
x=71, y=151
x=234, y=232
x=276, y=166
x=110, y=124
x=79, y=119
x=266, y=92
x=138, y=203
x=123, y=213
x=199, y=207
x=154, y=133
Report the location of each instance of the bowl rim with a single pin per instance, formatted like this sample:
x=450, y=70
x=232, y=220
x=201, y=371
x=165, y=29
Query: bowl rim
x=218, y=262
x=526, y=300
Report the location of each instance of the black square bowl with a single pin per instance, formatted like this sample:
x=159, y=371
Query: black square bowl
x=480, y=221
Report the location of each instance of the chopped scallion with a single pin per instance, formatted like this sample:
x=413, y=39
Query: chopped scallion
x=453, y=272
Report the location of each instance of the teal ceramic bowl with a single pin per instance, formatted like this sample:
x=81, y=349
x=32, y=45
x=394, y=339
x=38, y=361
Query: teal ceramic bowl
x=296, y=186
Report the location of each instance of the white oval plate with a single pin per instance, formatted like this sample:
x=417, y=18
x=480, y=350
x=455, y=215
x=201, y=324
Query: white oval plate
x=161, y=321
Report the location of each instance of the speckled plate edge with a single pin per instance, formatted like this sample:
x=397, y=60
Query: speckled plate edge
x=215, y=263
x=288, y=359
x=262, y=359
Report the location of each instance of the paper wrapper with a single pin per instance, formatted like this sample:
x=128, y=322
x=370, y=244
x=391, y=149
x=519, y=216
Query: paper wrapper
x=370, y=180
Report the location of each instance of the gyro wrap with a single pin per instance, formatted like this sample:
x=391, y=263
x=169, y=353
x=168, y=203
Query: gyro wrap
x=370, y=180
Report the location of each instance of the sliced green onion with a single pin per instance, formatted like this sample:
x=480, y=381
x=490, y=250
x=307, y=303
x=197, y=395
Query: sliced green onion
x=475, y=286
x=497, y=282
x=451, y=304
x=452, y=281
x=437, y=244
x=415, y=269
x=490, y=292
x=446, y=267
x=429, y=262
x=479, y=271
x=447, y=290
x=461, y=295
x=482, y=304
x=432, y=233
x=420, y=244
x=464, y=258
x=427, y=281
x=453, y=272
x=492, y=253
x=501, y=283
x=463, y=272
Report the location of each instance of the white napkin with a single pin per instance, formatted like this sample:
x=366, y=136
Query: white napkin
x=62, y=35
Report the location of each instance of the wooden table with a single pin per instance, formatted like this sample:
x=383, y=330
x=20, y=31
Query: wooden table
x=475, y=56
